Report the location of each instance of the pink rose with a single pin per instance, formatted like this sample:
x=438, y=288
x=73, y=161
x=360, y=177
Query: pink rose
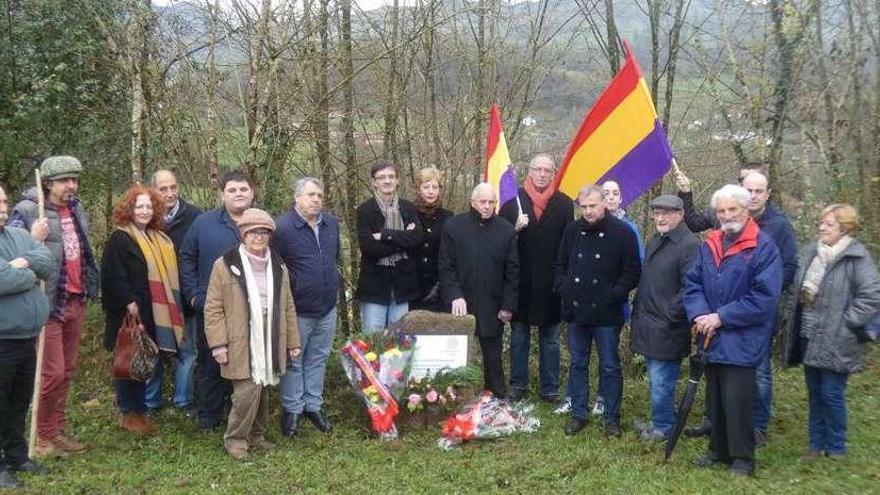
x=431, y=396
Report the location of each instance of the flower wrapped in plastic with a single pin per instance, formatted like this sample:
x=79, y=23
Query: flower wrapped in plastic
x=377, y=366
x=487, y=417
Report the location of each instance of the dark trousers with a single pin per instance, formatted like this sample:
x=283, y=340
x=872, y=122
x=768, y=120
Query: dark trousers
x=732, y=412
x=212, y=389
x=493, y=365
x=18, y=363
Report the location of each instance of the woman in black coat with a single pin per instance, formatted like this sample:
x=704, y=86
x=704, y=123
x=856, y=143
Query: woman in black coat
x=429, y=203
x=125, y=284
x=389, y=231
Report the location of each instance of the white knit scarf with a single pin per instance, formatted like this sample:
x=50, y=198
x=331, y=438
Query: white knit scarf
x=260, y=342
x=825, y=256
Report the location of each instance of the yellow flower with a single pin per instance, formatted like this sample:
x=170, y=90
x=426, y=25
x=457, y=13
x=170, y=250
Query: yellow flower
x=371, y=356
x=393, y=352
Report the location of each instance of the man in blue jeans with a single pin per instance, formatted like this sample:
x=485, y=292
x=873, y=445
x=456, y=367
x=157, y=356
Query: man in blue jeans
x=660, y=328
x=307, y=239
x=178, y=218
x=539, y=218
x=597, y=267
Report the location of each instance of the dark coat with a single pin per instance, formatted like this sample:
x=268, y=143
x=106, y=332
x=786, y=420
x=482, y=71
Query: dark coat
x=743, y=286
x=382, y=284
x=849, y=296
x=660, y=328
x=124, y=280
x=773, y=222
x=210, y=235
x=313, y=266
x=538, y=245
x=176, y=230
x=478, y=262
x=597, y=267
x=426, y=261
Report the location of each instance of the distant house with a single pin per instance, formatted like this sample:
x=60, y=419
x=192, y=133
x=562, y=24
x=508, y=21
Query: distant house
x=529, y=121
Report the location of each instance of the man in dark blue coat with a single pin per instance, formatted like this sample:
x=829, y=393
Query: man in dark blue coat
x=597, y=266
x=731, y=293
x=211, y=234
x=307, y=239
x=773, y=221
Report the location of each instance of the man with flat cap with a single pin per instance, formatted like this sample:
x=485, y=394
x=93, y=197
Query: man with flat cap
x=660, y=329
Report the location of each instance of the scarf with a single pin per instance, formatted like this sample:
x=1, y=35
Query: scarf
x=393, y=221
x=428, y=210
x=620, y=213
x=825, y=256
x=539, y=199
x=260, y=336
x=158, y=251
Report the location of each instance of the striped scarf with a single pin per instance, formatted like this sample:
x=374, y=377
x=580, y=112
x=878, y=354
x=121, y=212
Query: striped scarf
x=158, y=251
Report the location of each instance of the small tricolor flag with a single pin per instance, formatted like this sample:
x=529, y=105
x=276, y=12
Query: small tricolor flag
x=621, y=139
x=499, y=171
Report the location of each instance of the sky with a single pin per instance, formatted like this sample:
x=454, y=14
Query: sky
x=364, y=4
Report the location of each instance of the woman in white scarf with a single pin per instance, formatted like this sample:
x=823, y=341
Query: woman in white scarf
x=250, y=324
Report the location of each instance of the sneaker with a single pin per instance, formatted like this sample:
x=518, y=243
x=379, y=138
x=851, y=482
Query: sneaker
x=598, y=407
x=48, y=448
x=703, y=430
x=564, y=406
x=653, y=435
x=612, y=430
x=742, y=468
x=574, y=426
x=70, y=444
x=837, y=456
x=642, y=426
x=706, y=461
x=518, y=394
x=8, y=480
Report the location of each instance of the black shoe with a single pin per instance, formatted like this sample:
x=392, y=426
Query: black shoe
x=612, y=430
x=703, y=430
x=705, y=461
x=289, y=424
x=518, y=394
x=575, y=425
x=742, y=467
x=29, y=467
x=761, y=438
x=9, y=480
x=319, y=420
x=551, y=398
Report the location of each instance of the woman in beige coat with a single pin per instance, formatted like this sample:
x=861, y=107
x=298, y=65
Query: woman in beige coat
x=250, y=324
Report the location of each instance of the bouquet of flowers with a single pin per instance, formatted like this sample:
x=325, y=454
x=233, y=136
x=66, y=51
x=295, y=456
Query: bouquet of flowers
x=377, y=366
x=487, y=417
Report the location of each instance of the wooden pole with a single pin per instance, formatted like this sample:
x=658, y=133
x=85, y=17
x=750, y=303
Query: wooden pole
x=35, y=401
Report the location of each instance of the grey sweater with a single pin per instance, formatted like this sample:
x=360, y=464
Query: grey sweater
x=23, y=306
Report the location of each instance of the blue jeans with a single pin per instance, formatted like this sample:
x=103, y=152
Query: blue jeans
x=377, y=317
x=183, y=372
x=764, y=390
x=548, y=357
x=663, y=377
x=130, y=396
x=826, y=391
x=302, y=385
x=580, y=341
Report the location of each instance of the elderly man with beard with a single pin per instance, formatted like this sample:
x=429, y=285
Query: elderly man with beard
x=479, y=271
x=731, y=292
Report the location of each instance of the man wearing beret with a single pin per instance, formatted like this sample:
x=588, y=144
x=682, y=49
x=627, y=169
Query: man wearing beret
x=660, y=329
x=73, y=280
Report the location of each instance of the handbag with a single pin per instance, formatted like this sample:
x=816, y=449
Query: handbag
x=135, y=354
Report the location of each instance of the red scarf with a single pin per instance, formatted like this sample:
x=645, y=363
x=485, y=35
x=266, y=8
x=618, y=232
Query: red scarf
x=539, y=199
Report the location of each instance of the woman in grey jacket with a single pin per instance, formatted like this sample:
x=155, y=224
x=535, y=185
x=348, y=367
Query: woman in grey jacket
x=836, y=291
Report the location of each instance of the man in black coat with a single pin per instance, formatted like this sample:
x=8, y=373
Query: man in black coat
x=539, y=217
x=179, y=216
x=597, y=267
x=660, y=329
x=479, y=271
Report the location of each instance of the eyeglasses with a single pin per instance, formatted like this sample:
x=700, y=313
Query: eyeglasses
x=260, y=233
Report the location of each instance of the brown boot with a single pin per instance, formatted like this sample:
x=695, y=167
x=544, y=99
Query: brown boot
x=47, y=448
x=238, y=453
x=134, y=423
x=149, y=425
x=70, y=444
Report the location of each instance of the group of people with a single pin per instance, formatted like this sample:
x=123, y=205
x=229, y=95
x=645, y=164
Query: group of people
x=242, y=301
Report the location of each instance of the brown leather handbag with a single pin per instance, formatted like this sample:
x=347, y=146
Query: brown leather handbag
x=135, y=354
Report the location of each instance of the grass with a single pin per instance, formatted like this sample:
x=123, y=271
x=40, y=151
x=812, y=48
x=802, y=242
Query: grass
x=182, y=460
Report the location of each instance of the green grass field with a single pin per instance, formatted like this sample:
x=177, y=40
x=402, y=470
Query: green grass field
x=182, y=460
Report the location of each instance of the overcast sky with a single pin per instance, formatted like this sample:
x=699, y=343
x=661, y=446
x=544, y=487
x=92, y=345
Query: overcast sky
x=364, y=4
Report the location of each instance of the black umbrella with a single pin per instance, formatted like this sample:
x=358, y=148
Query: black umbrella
x=697, y=366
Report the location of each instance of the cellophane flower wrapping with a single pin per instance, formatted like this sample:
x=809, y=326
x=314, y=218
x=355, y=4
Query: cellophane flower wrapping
x=487, y=417
x=377, y=366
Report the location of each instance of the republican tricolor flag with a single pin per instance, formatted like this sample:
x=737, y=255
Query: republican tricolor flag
x=499, y=171
x=621, y=140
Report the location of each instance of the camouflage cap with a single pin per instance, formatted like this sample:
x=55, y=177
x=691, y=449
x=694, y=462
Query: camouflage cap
x=60, y=167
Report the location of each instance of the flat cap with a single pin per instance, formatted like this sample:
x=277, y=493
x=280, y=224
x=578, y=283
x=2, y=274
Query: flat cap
x=667, y=202
x=255, y=218
x=60, y=167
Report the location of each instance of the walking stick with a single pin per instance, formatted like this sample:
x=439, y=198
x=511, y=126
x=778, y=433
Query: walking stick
x=38, y=379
